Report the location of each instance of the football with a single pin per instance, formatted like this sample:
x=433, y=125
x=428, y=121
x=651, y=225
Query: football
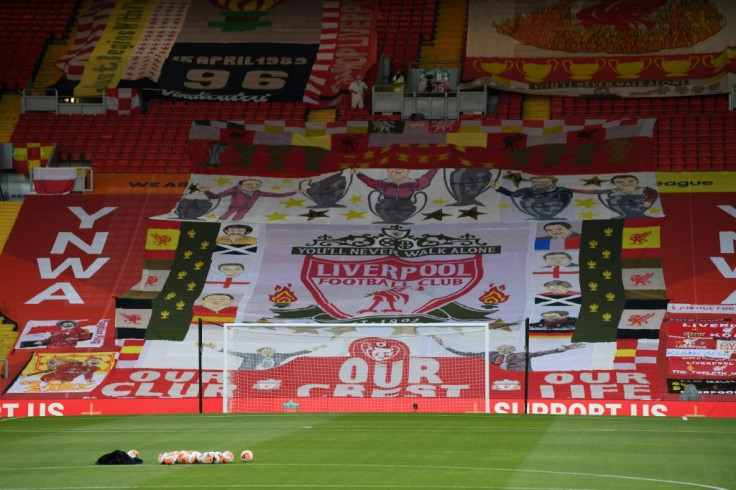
x=227, y=457
x=169, y=458
x=246, y=456
x=133, y=453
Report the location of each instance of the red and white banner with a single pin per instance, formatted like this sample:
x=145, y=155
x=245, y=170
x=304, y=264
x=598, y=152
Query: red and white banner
x=54, y=180
x=123, y=101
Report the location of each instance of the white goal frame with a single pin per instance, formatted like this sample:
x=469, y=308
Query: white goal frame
x=228, y=327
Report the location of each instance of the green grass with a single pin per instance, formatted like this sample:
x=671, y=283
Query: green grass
x=378, y=451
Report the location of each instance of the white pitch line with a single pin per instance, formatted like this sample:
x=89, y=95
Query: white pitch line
x=511, y=470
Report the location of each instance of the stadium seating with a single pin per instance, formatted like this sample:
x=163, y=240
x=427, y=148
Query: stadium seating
x=26, y=27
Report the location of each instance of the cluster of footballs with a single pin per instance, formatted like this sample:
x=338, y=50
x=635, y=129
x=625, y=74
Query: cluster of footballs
x=197, y=457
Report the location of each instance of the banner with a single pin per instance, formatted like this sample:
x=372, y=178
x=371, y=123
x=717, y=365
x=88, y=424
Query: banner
x=400, y=195
x=63, y=334
x=304, y=149
x=624, y=49
x=27, y=156
x=71, y=372
x=123, y=101
x=285, y=50
x=56, y=180
x=173, y=307
x=91, y=250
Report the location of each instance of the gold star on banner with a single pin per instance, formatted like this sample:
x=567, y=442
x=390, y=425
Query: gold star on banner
x=501, y=325
x=211, y=216
x=470, y=213
x=312, y=214
x=220, y=181
x=587, y=215
x=404, y=331
x=356, y=198
x=655, y=210
x=438, y=215
x=504, y=205
x=439, y=202
x=585, y=203
x=276, y=216
x=488, y=164
x=593, y=181
x=352, y=214
x=276, y=188
x=291, y=203
x=337, y=331
x=287, y=181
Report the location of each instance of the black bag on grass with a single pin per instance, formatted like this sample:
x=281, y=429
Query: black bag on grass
x=118, y=457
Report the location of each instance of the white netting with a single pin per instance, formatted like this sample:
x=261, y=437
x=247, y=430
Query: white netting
x=355, y=367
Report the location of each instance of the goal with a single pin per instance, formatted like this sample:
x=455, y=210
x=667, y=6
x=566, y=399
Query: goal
x=356, y=367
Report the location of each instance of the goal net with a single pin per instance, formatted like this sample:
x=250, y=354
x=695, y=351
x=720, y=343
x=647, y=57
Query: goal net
x=361, y=367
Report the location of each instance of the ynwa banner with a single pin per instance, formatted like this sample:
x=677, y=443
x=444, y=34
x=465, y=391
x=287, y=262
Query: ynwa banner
x=625, y=49
x=71, y=372
x=706, y=278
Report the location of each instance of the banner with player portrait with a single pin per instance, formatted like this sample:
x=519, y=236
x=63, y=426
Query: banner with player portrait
x=62, y=334
x=69, y=372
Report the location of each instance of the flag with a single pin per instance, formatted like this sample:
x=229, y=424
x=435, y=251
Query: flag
x=632, y=352
x=54, y=180
x=29, y=155
x=600, y=281
x=130, y=352
x=173, y=306
x=123, y=100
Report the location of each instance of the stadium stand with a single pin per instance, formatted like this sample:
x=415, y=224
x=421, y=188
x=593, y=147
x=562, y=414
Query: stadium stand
x=693, y=133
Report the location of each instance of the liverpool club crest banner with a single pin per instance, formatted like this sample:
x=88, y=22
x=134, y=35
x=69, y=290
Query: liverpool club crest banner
x=428, y=273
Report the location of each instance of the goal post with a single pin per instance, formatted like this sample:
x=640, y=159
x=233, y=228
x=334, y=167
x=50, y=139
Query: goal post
x=356, y=367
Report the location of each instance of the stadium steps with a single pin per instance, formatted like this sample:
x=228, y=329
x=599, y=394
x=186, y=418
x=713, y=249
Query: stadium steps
x=9, y=115
x=536, y=107
x=448, y=50
x=8, y=214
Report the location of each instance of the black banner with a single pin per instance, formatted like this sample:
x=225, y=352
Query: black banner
x=248, y=72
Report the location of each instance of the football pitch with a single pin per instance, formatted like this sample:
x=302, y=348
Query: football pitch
x=374, y=451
